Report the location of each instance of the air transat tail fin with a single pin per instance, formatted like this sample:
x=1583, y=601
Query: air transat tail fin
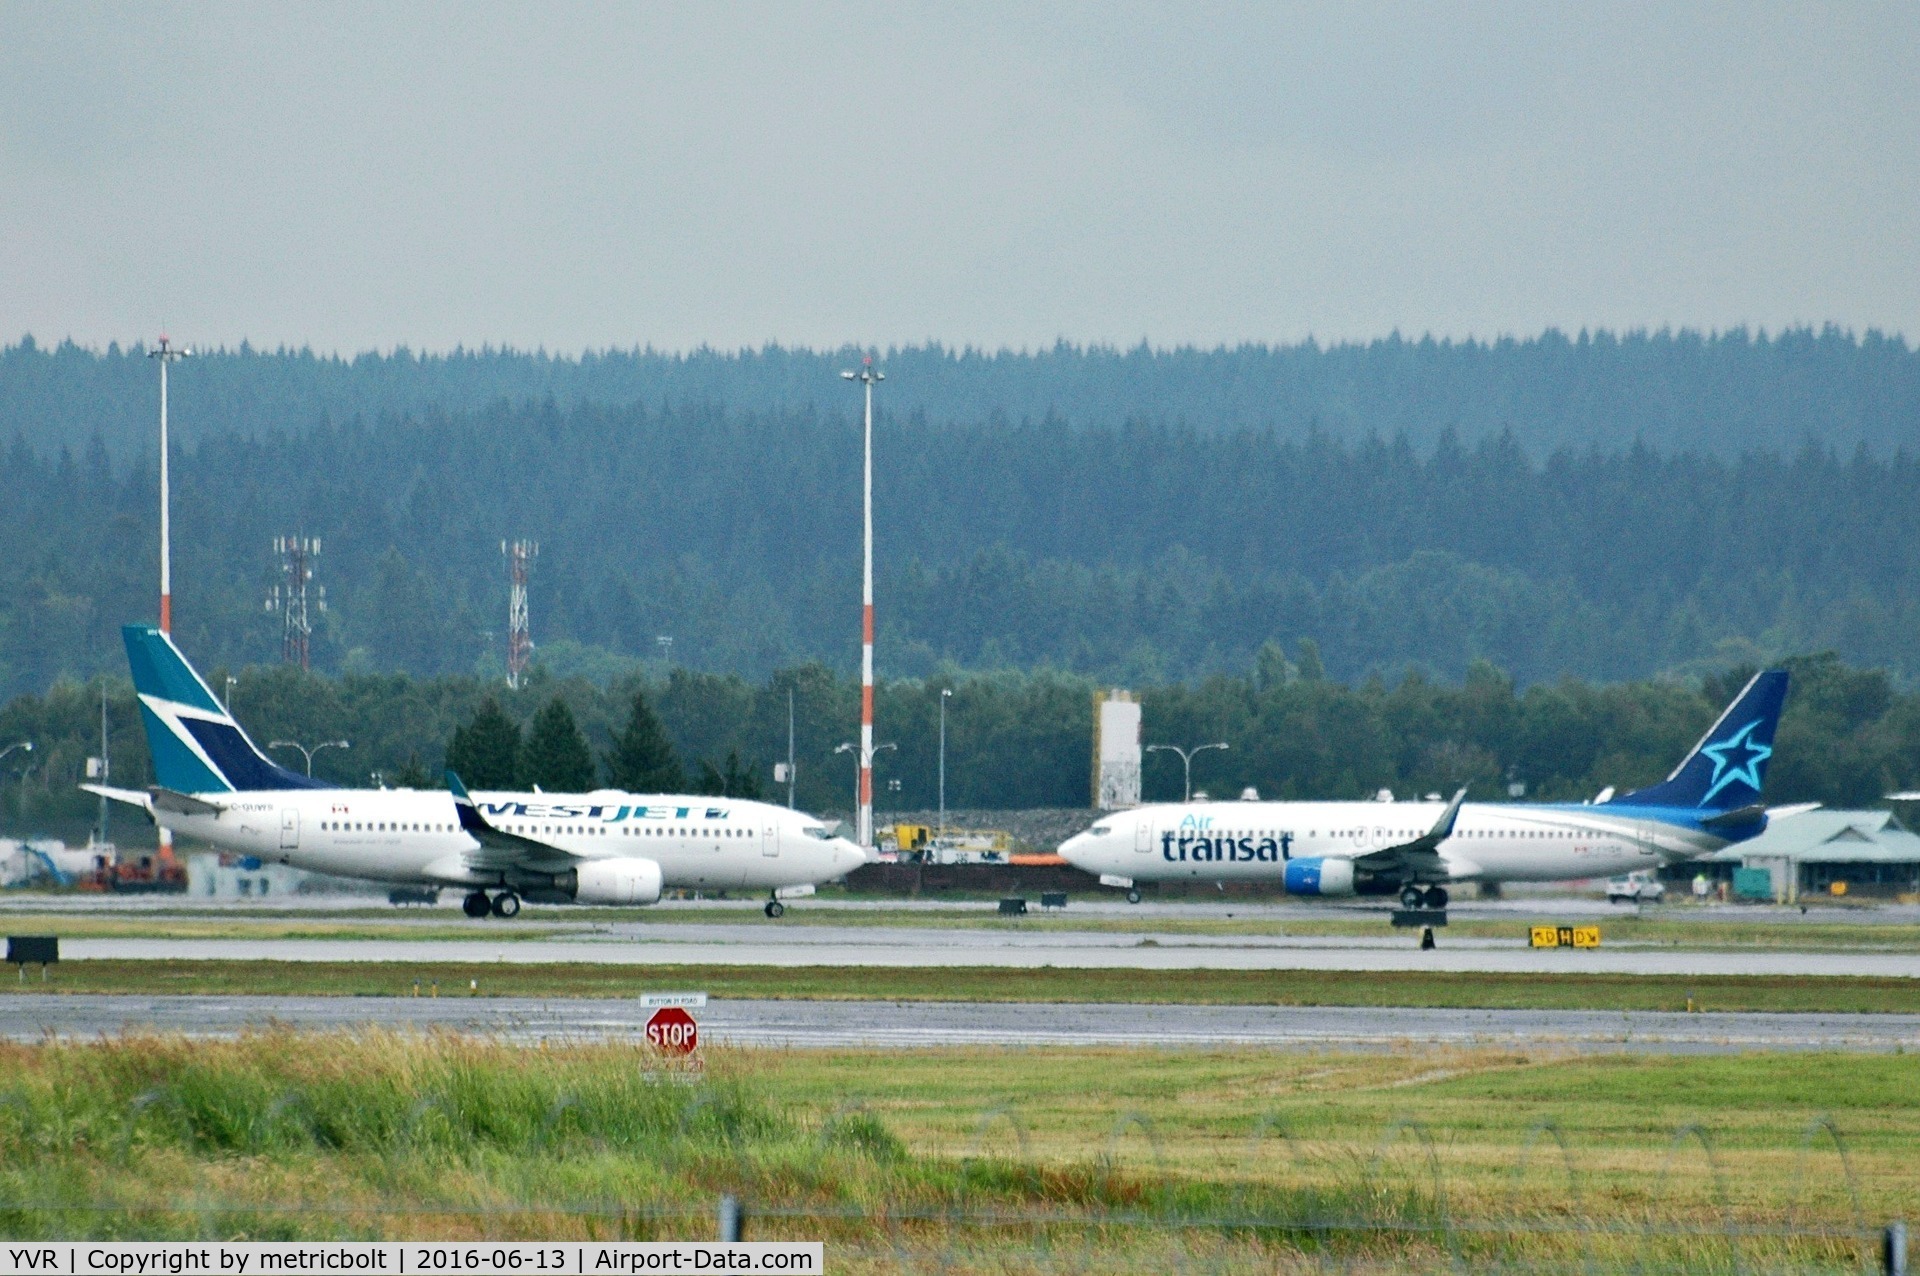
x=196, y=745
x=1726, y=769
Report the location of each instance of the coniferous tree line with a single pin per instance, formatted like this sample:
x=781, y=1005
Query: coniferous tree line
x=1721, y=394
x=1133, y=553
x=1014, y=739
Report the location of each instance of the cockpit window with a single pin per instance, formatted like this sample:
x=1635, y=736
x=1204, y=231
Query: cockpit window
x=815, y=830
x=1099, y=830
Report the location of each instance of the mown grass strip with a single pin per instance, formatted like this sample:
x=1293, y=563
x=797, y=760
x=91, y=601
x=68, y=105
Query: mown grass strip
x=1571, y=991
x=1688, y=929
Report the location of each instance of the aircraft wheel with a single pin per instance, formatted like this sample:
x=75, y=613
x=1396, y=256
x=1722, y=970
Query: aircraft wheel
x=1133, y=897
x=476, y=904
x=1411, y=896
x=506, y=904
x=1436, y=897
x=775, y=908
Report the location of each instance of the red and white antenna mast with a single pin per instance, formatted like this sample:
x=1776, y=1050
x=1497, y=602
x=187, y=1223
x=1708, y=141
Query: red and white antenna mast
x=520, y=556
x=166, y=354
x=868, y=377
x=291, y=596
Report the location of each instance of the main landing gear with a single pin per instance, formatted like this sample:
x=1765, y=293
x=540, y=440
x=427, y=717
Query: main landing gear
x=1413, y=896
x=477, y=905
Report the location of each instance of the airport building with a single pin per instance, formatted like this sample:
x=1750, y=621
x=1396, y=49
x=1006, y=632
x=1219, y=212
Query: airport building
x=1868, y=851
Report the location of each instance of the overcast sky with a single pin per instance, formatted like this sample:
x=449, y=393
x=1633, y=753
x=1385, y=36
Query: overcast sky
x=575, y=176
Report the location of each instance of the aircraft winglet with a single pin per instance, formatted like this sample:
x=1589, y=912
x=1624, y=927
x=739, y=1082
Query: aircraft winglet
x=1443, y=827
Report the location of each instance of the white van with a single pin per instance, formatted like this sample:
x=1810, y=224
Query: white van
x=1635, y=888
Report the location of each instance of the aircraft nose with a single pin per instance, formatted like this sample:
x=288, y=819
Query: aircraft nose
x=1075, y=848
x=847, y=856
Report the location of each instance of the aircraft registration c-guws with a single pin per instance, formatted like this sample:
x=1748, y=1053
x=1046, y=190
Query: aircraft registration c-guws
x=1415, y=849
x=604, y=847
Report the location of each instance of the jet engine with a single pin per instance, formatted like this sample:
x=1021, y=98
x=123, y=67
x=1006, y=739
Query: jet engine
x=614, y=881
x=1320, y=877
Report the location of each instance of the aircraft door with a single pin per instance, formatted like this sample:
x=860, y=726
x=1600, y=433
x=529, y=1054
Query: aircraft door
x=770, y=841
x=290, y=829
x=1143, y=836
x=1644, y=840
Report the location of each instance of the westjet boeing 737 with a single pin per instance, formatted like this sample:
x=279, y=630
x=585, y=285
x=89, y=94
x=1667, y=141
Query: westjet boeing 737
x=1711, y=800
x=605, y=847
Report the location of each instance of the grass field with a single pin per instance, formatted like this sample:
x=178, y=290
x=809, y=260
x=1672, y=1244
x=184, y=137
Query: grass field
x=1571, y=991
x=998, y=1160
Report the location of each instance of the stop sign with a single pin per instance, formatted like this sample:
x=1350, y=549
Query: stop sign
x=672, y=1029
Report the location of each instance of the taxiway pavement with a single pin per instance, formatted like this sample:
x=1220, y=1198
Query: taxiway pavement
x=895, y=1024
x=755, y=944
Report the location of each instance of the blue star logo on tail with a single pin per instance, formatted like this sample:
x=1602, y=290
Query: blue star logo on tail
x=1736, y=758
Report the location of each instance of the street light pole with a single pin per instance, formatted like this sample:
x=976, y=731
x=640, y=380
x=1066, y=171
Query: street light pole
x=946, y=694
x=863, y=783
x=1186, y=760
x=791, y=778
x=307, y=753
x=22, y=744
x=166, y=354
x=868, y=377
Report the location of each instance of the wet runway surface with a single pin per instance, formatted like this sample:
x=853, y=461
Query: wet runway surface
x=728, y=943
x=892, y=1025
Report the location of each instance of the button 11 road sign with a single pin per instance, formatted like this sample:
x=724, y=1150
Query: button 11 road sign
x=672, y=1029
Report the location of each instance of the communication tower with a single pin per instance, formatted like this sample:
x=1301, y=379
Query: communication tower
x=520, y=556
x=290, y=597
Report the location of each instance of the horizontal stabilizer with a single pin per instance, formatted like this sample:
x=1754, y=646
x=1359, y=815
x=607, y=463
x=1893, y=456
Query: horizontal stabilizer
x=182, y=803
x=1736, y=818
x=132, y=797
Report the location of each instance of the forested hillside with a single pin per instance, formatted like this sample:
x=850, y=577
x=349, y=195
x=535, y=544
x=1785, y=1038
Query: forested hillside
x=1137, y=516
x=1134, y=553
x=1025, y=739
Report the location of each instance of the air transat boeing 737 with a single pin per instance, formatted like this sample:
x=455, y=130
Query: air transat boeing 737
x=605, y=847
x=1416, y=849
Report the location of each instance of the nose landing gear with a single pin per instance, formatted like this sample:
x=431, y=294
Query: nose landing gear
x=775, y=908
x=1133, y=895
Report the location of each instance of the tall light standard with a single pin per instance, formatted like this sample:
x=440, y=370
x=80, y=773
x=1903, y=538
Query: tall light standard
x=307, y=753
x=868, y=377
x=946, y=694
x=166, y=354
x=1186, y=759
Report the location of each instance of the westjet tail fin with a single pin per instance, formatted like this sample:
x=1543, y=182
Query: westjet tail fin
x=196, y=745
x=1725, y=770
